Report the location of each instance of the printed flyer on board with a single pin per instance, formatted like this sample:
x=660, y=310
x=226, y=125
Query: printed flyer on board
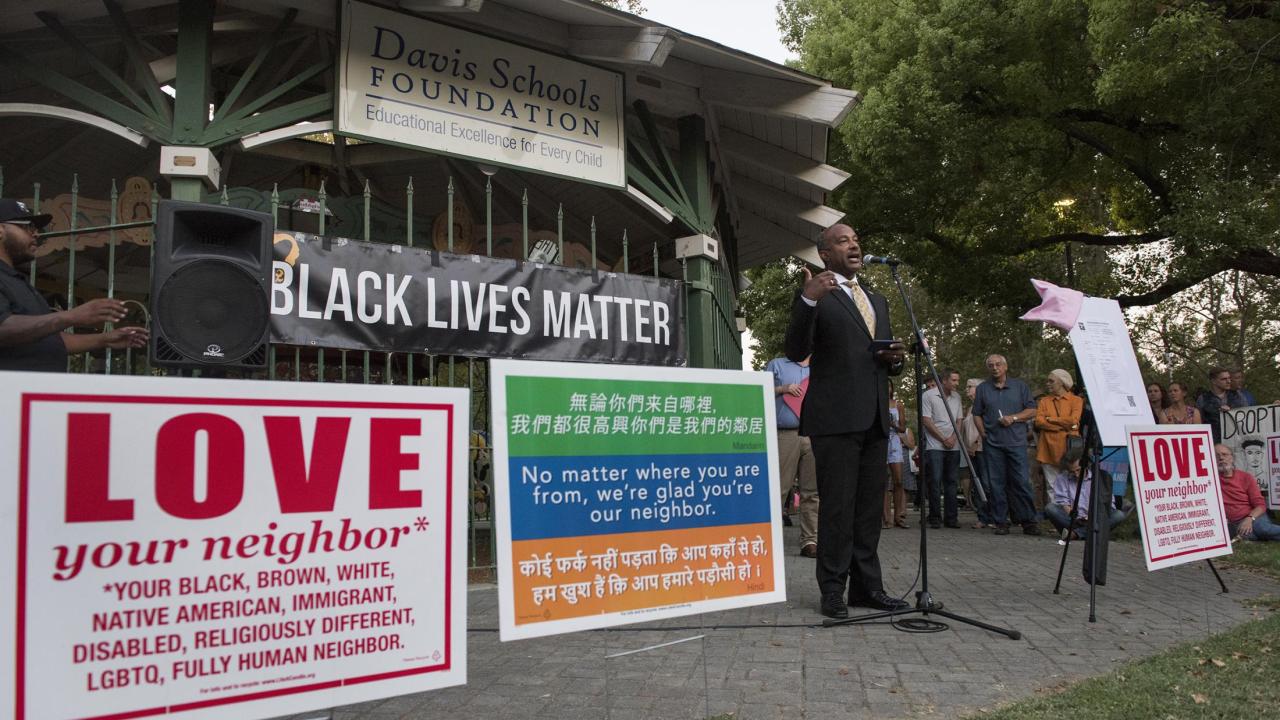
x=228, y=549
x=630, y=494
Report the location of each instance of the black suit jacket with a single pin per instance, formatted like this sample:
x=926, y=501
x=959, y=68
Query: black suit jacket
x=848, y=388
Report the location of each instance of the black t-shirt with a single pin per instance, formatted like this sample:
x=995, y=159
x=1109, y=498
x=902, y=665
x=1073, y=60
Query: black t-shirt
x=17, y=297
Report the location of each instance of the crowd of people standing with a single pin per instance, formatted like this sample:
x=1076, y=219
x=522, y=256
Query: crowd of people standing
x=1024, y=448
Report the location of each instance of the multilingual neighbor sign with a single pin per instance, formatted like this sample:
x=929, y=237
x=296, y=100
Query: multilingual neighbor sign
x=227, y=549
x=630, y=494
x=408, y=81
x=1179, y=494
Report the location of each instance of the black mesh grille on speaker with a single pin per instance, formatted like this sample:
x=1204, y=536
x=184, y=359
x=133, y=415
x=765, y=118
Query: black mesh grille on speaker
x=213, y=312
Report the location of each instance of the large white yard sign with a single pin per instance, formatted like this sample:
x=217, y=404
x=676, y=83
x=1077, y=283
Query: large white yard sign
x=227, y=549
x=1179, y=494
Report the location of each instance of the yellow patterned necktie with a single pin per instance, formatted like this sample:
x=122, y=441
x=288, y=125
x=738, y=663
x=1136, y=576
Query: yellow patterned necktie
x=864, y=305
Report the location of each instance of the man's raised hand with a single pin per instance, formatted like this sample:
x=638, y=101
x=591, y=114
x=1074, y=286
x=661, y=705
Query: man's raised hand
x=817, y=286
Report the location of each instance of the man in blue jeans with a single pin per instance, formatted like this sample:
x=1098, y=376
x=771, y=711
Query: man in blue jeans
x=1004, y=406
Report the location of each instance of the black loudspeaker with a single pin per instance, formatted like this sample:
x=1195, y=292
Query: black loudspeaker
x=210, y=286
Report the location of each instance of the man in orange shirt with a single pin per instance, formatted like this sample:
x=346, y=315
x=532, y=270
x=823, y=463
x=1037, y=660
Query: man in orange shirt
x=1242, y=501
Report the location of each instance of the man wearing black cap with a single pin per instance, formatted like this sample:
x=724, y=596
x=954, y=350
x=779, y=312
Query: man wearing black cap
x=31, y=336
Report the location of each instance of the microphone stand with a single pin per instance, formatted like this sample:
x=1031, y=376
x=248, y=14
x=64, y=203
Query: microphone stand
x=925, y=604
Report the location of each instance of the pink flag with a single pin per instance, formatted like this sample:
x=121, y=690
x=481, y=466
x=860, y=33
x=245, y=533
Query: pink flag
x=1058, y=307
x=794, y=402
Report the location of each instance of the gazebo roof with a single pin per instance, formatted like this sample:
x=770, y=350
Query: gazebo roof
x=766, y=123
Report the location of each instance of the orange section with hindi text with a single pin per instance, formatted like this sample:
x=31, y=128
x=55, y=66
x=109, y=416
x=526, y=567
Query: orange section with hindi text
x=571, y=577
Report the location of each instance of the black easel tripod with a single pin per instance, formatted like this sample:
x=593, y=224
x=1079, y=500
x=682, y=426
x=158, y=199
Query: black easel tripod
x=925, y=604
x=1099, y=509
x=1090, y=461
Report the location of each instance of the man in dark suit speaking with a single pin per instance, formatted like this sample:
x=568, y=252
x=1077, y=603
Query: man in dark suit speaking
x=846, y=417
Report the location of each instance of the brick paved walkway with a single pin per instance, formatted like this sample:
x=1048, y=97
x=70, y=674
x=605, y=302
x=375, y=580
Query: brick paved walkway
x=759, y=665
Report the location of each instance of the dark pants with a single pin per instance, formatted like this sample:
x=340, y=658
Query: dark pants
x=942, y=467
x=1010, y=487
x=851, y=480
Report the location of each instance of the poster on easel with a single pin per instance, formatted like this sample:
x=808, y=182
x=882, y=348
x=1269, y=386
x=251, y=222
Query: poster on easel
x=1109, y=369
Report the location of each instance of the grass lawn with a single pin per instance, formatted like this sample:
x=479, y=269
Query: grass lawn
x=1227, y=676
x=1263, y=556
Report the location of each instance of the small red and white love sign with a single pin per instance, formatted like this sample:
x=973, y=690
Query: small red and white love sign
x=1179, y=497
x=227, y=549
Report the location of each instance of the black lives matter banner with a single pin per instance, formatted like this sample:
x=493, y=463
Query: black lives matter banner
x=339, y=293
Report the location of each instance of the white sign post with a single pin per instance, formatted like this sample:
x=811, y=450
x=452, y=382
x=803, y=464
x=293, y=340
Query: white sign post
x=1179, y=494
x=227, y=549
x=407, y=81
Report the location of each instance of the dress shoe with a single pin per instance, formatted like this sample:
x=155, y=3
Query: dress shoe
x=809, y=551
x=1001, y=530
x=833, y=607
x=935, y=524
x=1031, y=529
x=879, y=600
x=952, y=523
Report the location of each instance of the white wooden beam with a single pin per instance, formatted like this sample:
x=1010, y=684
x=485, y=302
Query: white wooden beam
x=760, y=231
x=758, y=193
x=663, y=95
x=648, y=46
x=808, y=253
x=650, y=204
x=770, y=157
x=253, y=140
x=821, y=104
x=61, y=113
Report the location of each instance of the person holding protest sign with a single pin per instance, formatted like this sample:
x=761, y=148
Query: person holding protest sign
x=1242, y=501
x=1219, y=398
x=845, y=328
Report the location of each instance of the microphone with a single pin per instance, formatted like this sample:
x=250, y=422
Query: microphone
x=878, y=260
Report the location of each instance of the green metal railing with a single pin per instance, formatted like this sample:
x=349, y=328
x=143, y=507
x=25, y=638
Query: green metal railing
x=86, y=272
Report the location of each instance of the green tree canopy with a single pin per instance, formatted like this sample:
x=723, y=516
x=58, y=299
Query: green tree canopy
x=996, y=136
